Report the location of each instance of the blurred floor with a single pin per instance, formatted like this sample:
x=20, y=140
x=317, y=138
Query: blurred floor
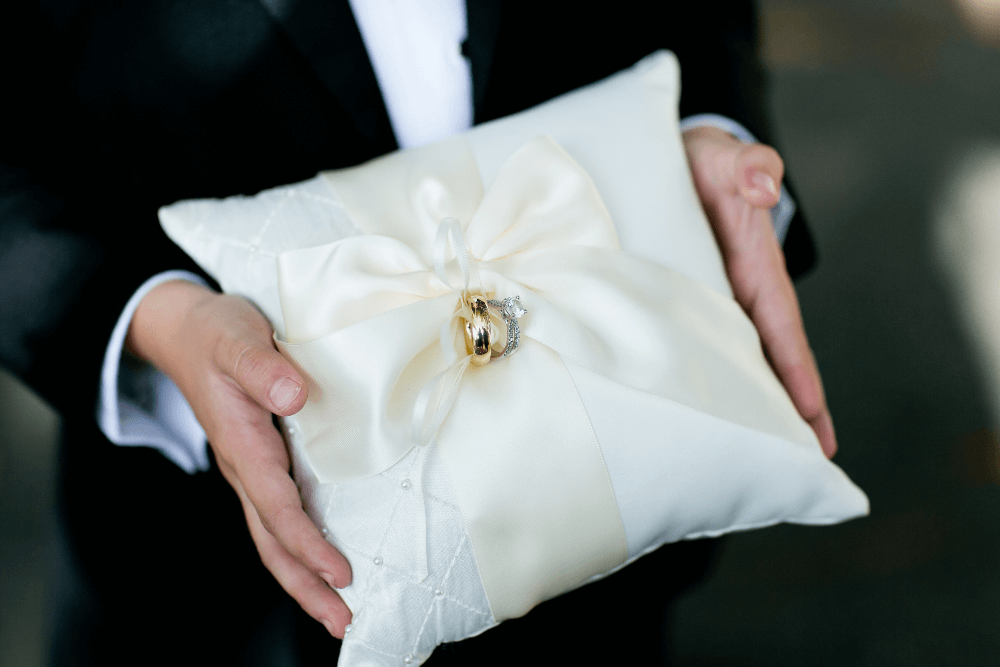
x=29, y=554
x=884, y=110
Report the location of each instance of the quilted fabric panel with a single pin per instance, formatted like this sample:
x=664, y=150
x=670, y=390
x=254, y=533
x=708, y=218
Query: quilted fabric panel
x=401, y=610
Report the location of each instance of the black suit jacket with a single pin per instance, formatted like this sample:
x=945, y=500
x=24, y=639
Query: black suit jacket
x=118, y=108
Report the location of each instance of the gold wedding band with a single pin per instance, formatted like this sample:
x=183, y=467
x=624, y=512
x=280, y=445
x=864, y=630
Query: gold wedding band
x=477, y=331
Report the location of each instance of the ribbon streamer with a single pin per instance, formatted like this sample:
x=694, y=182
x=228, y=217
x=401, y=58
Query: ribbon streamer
x=428, y=417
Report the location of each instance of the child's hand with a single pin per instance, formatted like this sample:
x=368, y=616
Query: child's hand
x=738, y=184
x=219, y=351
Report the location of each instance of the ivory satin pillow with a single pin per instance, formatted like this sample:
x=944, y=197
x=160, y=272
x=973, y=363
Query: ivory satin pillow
x=623, y=403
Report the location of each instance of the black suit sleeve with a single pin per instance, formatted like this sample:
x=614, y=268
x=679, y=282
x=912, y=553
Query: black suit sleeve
x=73, y=244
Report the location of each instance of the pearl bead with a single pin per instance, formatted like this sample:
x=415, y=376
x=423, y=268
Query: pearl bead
x=438, y=592
x=378, y=560
x=349, y=629
x=406, y=484
x=325, y=531
x=408, y=658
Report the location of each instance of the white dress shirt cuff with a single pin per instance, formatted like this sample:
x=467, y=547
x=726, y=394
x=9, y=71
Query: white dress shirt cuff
x=139, y=405
x=784, y=210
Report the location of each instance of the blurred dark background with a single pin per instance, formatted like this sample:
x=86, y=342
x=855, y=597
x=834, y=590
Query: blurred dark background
x=887, y=113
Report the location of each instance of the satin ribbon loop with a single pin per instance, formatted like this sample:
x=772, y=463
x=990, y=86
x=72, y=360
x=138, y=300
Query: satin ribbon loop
x=449, y=233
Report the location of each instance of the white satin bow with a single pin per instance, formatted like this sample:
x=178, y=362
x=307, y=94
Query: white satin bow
x=364, y=319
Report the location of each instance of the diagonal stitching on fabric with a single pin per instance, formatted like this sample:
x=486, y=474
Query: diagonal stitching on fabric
x=326, y=200
x=409, y=582
x=444, y=581
x=226, y=240
x=329, y=506
x=465, y=606
x=286, y=195
x=399, y=497
x=376, y=650
x=201, y=232
x=340, y=204
x=442, y=501
x=420, y=633
x=368, y=585
x=389, y=568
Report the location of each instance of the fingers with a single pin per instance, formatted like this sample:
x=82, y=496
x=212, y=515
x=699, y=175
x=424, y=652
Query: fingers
x=822, y=425
x=766, y=292
x=276, y=499
x=769, y=296
x=289, y=544
x=758, y=170
x=260, y=464
x=723, y=166
x=311, y=592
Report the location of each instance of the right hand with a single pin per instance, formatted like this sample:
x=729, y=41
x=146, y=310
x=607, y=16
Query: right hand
x=218, y=349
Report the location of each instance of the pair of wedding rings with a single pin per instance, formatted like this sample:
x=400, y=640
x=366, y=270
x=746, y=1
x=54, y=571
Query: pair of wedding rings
x=479, y=329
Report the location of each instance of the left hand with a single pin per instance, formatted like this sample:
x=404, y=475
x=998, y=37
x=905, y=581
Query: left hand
x=738, y=184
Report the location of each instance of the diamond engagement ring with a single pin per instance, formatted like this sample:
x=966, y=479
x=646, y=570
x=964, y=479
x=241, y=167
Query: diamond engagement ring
x=510, y=310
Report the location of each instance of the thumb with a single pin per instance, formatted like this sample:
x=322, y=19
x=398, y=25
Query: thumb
x=266, y=376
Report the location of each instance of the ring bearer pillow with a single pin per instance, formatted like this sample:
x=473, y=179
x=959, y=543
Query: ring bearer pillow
x=525, y=365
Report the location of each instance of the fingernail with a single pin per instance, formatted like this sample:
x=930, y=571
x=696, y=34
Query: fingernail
x=283, y=392
x=329, y=579
x=765, y=183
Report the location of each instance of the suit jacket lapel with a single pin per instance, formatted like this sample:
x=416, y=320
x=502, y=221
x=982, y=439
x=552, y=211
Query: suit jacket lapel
x=483, y=17
x=326, y=34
